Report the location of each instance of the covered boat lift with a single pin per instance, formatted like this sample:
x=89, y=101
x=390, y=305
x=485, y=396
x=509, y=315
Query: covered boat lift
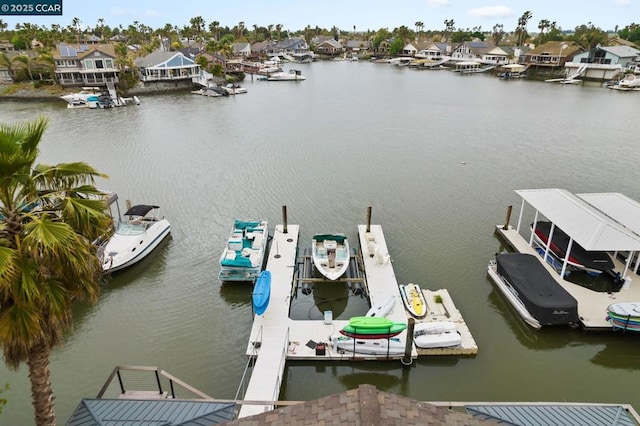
x=593, y=224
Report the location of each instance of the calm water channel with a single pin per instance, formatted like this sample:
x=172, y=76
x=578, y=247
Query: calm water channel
x=438, y=157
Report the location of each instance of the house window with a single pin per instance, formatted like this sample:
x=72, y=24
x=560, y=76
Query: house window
x=88, y=64
x=108, y=63
x=99, y=63
x=60, y=64
x=71, y=63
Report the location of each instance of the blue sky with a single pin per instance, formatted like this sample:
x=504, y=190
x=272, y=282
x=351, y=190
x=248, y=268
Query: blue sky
x=344, y=14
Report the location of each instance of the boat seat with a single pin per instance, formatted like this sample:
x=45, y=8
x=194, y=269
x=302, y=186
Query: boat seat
x=230, y=255
x=322, y=252
x=341, y=253
x=257, y=241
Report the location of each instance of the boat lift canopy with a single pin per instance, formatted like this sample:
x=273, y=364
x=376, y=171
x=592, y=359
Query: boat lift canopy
x=587, y=219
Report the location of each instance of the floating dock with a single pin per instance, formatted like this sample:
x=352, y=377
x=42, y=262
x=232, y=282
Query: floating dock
x=276, y=338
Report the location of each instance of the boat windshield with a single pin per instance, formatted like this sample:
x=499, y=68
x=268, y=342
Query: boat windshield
x=130, y=229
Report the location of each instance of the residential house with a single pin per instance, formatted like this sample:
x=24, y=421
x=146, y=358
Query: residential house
x=213, y=59
x=436, y=51
x=503, y=55
x=166, y=66
x=259, y=49
x=287, y=47
x=471, y=50
x=619, y=41
x=241, y=50
x=605, y=62
x=382, y=49
x=552, y=54
x=85, y=65
x=329, y=47
x=358, y=47
x=409, y=49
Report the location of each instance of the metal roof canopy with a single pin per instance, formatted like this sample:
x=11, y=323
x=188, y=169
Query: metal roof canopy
x=588, y=226
x=617, y=206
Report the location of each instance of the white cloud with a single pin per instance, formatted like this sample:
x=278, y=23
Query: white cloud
x=152, y=13
x=491, y=12
x=622, y=2
x=438, y=3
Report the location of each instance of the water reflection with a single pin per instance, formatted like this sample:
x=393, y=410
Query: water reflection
x=236, y=294
x=621, y=351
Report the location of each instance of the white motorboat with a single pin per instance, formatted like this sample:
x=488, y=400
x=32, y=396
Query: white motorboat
x=292, y=75
x=437, y=334
x=330, y=254
x=212, y=91
x=234, y=89
x=137, y=235
x=243, y=256
x=629, y=82
x=82, y=95
x=390, y=346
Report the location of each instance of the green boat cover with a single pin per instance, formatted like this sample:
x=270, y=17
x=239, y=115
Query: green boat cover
x=339, y=238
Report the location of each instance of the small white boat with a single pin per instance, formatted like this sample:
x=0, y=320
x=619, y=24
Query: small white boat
x=437, y=334
x=292, y=75
x=330, y=254
x=413, y=299
x=234, y=89
x=383, y=347
x=383, y=307
x=82, y=95
x=628, y=82
x=243, y=256
x=212, y=91
x=135, y=237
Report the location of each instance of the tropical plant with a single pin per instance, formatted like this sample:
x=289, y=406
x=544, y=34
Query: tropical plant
x=521, y=29
x=49, y=216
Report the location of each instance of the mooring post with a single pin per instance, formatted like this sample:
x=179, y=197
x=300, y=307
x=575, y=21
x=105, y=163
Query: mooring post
x=284, y=219
x=128, y=204
x=507, y=219
x=409, y=344
x=368, y=219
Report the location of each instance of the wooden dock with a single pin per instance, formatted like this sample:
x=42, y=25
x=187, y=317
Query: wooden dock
x=276, y=338
x=592, y=305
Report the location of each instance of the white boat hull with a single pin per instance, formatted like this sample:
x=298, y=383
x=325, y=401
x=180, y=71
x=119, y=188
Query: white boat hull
x=330, y=257
x=392, y=346
x=512, y=297
x=123, y=251
x=440, y=334
x=382, y=308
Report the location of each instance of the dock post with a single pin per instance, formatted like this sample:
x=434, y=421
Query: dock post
x=369, y=219
x=128, y=204
x=284, y=219
x=507, y=219
x=406, y=360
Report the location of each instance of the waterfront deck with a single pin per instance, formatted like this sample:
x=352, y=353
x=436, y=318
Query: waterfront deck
x=592, y=305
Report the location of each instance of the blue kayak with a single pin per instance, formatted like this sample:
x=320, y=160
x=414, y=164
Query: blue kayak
x=261, y=292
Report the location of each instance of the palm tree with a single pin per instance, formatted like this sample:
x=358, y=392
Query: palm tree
x=25, y=62
x=47, y=260
x=77, y=26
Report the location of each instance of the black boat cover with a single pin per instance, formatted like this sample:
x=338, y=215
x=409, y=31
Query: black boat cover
x=597, y=260
x=140, y=210
x=541, y=294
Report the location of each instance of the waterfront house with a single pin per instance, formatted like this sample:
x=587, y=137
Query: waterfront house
x=166, y=67
x=382, y=49
x=436, y=51
x=552, y=54
x=358, y=47
x=329, y=47
x=85, y=65
x=605, y=62
x=412, y=48
x=503, y=55
x=241, y=50
x=471, y=50
x=287, y=47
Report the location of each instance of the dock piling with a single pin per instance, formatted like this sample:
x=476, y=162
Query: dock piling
x=507, y=219
x=284, y=219
x=407, y=360
x=369, y=219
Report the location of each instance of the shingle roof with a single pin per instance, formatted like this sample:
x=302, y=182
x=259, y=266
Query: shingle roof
x=362, y=406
